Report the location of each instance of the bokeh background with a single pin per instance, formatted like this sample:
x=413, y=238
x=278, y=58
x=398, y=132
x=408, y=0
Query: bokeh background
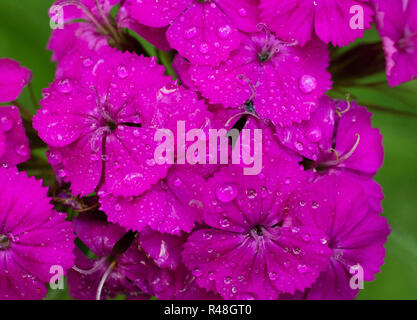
x=24, y=33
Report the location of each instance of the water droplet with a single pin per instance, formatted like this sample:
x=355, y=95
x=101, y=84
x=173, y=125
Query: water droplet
x=64, y=86
x=207, y=235
x=190, y=33
x=204, y=48
x=87, y=62
x=54, y=157
x=295, y=229
x=315, y=135
x=323, y=241
x=242, y=12
x=150, y=162
x=296, y=251
x=226, y=193
x=315, y=205
x=177, y=182
x=197, y=272
x=302, y=268
x=122, y=72
x=273, y=276
x=251, y=193
x=22, y=150
x=306, y=237
x=224, y=223
x=117, y=207
x=228, y=280
x=299, y=146
x=287, y=180
x=308, y=84
x=211, y=275
x=5, y=124
x=224, y=31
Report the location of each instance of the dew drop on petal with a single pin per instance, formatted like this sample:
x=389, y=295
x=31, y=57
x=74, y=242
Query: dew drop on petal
x=302, y=268
x=5, y=124
x=204, y=48
x=308, y=84
x=315, y=135
x=197, y=272
x=122, y=72
x=242, y=12
x=251, y=193
x=22, y=150
x=64, y=86
x=226, y=193
x=177, y=182
x=224, y=31
x=54, y=157
x=190, y=33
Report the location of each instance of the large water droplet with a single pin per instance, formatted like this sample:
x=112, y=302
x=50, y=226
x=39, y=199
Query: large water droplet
x=308, y=84
x=5, y=124
x=224, y=31
x=226, y=193
x=315, y=135
x=64, y=86
x=122, y=71
x=22, y=150
x=54, y=157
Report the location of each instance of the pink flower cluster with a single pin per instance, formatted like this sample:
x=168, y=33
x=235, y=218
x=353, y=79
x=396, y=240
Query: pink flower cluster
x=181, y=231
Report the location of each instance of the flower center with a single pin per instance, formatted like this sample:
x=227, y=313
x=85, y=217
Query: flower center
x=4, y=242
x=258, y=229
x=111, y=125
x=263, y=56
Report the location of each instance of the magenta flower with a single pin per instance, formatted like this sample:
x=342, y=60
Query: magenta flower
x=204, y=32
x=14, y=145
x=251, y=249
x=105, y=133
x=179, y=284
x=13, y=78
x=33, y=237
x=96, y=30
x=397, y=26
x=164, y=249
x=355, y=232
x=283, y=81
x=329, y=19
x=340, y=136
x=172, y=281
x=172, y=205
x=115, y=271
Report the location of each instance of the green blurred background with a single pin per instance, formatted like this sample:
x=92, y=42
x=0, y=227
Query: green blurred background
x=24, y=32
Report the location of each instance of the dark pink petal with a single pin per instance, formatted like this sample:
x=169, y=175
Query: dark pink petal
x=14, y=145
x=156, y=13
x=37, y=237
x=355, y=232
x=13, y=78
x=243, y=13
x=164, y=249
x=204, y=34
x=355, y=127
x=287, y=85
x=170, y=206
x=329, y=19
